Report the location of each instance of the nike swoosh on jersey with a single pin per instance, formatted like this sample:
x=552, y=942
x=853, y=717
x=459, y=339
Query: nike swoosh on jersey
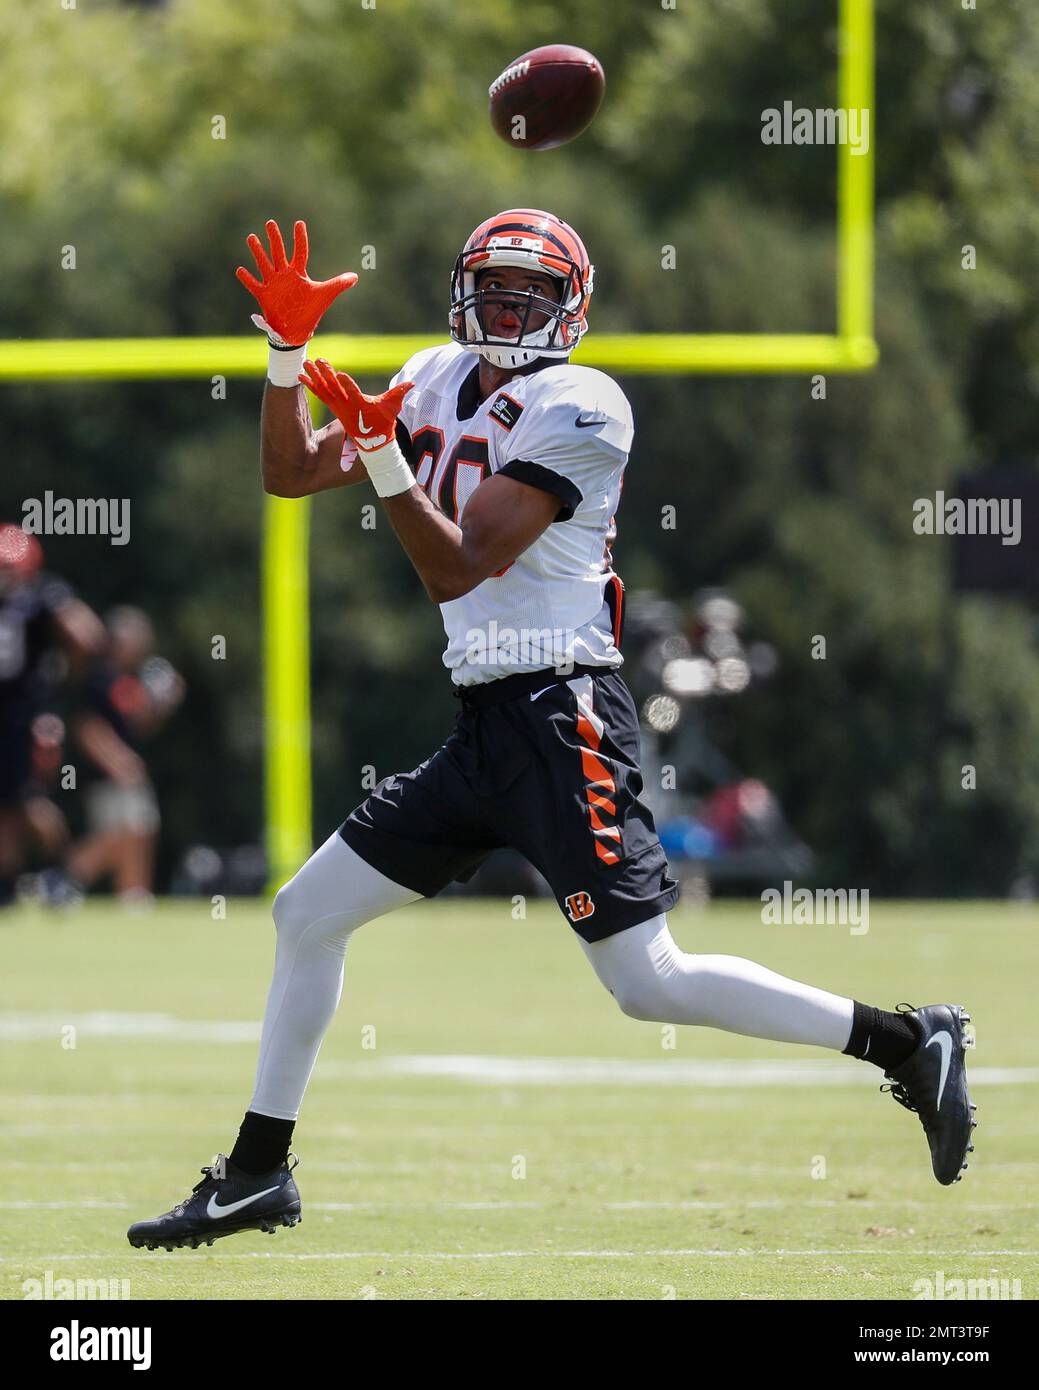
x=944, y=1041
x=215, y=1212
x=587, y=422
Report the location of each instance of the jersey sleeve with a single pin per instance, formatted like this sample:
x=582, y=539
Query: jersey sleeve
x=571, y=444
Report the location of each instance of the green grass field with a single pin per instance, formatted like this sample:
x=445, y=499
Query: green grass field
x=478, y=1150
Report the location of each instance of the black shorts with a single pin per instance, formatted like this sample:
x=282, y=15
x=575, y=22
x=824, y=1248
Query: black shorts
x=548, y=766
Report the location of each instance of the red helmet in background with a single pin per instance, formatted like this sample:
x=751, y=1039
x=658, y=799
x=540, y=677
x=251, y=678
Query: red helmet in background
x=529, y=239
x=21, y=556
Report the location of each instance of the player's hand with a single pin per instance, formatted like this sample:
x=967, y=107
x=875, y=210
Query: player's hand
x=291, y=302
x=369, y=420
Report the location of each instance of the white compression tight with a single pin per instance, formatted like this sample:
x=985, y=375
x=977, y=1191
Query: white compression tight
x=336, y=891
x=315, y=914
x=650, y=978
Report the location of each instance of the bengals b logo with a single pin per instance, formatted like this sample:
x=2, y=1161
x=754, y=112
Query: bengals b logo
x=579, y=905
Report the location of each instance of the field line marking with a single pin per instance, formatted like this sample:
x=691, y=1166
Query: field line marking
x=667, y=1071
x=26, y=1026
x=485, y=1070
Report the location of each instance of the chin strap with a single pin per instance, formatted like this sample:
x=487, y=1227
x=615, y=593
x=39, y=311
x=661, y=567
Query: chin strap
x=513, y=357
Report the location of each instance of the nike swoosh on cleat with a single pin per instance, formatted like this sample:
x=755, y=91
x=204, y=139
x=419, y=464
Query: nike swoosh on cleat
x=215, y=1212
x=944, y=1041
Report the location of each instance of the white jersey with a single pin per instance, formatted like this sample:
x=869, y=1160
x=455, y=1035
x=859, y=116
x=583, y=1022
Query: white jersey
x=565, y=429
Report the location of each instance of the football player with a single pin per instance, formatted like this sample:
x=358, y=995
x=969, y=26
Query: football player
x=127, y=698
x=46, y=632
x=499, y=465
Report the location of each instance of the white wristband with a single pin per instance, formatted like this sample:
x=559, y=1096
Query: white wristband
x=285, y=364
x=388, y=469
x=284, y=361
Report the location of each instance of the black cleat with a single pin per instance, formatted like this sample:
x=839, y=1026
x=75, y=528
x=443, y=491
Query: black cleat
x=932, y=1082
x=223, y=1206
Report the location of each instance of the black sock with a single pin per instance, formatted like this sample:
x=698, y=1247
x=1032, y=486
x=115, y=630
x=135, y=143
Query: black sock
x=884, y=1039
x=262, y=1143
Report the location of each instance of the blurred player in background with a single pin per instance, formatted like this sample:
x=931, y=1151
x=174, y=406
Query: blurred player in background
x=46, y=634
x=127, y=697
x=500, y=465
x=48, y=828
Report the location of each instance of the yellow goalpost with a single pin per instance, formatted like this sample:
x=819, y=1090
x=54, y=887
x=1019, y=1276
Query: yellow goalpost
x=285, y=531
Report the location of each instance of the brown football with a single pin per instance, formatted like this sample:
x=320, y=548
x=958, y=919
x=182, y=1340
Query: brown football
x=548, y=96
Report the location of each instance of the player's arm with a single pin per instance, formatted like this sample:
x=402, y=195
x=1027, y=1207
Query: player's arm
x=107, y=751
x=502, y=519
x=295, y=459
x=75, y=626
x=79, y=629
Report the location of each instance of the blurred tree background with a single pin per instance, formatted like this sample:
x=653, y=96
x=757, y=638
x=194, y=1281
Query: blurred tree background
x=370, y=123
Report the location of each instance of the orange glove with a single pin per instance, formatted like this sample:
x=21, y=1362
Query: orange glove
x=370, y=421
x=292, y=303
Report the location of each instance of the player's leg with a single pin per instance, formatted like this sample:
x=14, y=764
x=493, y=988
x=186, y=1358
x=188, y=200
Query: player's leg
x=919, y=1051
x=315, y=914
x=602, y=856
x=135, y=864
x=415, y=833
x=652, y=979
x=419, y=827
x=93, y=857
x=135, y=868
x=15, y=763
x=96, y=856
x=12, y=849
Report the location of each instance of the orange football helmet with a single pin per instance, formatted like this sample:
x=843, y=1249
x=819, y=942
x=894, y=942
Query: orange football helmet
x=528, y=238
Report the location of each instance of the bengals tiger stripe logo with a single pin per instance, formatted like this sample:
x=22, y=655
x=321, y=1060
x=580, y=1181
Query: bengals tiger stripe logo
x=578, y=906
